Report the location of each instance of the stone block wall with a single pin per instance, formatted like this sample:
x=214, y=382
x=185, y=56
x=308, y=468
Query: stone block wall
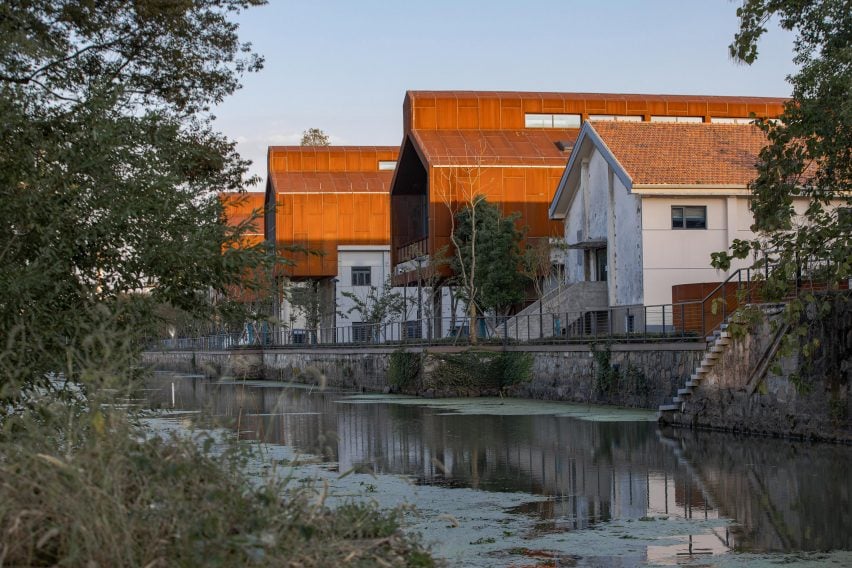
x=733, y=397
x=242, y=364
x=641, y=375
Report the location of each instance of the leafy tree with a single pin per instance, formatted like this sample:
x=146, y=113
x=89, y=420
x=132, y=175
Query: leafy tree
x=109, y=175
x=314, y=137
x=809, y=151
x=305, y=299
x=378, y=307
x=490, y=242
x=808, y=155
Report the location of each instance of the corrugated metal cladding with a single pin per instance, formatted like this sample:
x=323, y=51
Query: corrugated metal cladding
x=329, y=196
x=482, y=137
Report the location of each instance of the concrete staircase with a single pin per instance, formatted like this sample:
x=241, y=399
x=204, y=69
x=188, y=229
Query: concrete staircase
x=716, y=345
x=563, y=302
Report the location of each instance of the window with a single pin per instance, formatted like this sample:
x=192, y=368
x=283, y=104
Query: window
x=694, y=217
x=387, y=165
x=676, y=119
x=552, y=120
x=413, y=329
x=360, y=332
x=616, y=117
x=360, y=275
x=730, y=120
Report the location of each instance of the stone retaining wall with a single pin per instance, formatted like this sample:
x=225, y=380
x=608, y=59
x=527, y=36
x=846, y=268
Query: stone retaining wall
x=245, y=364
x=642, y=375
x=734, y=397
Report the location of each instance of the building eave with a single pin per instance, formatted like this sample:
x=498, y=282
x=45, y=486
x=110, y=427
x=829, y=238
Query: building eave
x=587, y=132
x=690, y=190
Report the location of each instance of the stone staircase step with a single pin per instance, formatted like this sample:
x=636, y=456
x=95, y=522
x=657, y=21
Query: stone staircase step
x=669, y=407
x=717, y=349
x=686, y=391
x=712, y=355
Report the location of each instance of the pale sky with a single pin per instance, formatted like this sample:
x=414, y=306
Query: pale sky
x=344, y=66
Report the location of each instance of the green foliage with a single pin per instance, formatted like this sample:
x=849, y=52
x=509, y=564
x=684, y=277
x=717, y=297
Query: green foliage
x=606, y=376
x=305, y=299
x=378, y=306
x=809, y=153
x=314, y=137
x=610, y=381
x=497, y=281
x=405, y=369
x=481, y=370
x=110, y=173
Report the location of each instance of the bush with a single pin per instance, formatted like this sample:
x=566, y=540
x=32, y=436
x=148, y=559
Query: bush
x=405, y=369
x=481, y=370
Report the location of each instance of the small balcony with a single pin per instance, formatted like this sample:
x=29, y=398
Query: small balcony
x=411, y=250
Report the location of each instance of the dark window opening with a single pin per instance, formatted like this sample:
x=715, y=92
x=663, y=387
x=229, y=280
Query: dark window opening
x=360, y=275
x=360, y=332
x=694, y=217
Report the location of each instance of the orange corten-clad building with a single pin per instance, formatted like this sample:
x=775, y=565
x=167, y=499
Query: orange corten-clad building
x=320, y=197
x=512, y=147
x=240, y=207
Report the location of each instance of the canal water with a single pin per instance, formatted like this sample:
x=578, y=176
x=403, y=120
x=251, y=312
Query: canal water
x=507, y=482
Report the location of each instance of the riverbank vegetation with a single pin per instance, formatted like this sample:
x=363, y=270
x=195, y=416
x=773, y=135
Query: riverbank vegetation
x=111, y=218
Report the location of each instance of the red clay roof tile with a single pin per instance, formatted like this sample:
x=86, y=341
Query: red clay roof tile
x=676, y=153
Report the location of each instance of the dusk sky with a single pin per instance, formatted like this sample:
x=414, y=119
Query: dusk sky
x=344, y=67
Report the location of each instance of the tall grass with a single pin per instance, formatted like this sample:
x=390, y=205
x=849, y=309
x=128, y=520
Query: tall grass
x=82, y=485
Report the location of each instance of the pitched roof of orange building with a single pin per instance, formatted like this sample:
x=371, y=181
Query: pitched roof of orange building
x=331, y=182
x=330, y=169
x=495, y=147
x=554, y=95
x=684, y=154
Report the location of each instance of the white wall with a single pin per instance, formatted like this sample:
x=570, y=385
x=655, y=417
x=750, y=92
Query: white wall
x=603, y=210
x=682, y=256
x=624, y=245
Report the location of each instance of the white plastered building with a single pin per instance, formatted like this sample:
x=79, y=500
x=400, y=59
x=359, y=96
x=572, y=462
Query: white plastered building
x=645, y=205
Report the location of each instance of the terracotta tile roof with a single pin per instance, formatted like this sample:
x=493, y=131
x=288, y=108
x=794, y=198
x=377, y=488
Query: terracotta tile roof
x=334, y=148
x=677, y=153
x=495, y=147
x=331, y=182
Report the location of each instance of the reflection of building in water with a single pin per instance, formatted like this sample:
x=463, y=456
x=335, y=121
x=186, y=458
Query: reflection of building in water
x=784, y=495
x=593, y=471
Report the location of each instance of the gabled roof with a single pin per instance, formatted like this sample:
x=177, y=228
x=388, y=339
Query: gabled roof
x=699, y=154
x=654, y=154
x=494, y=147
x=331, y=182
x=575, y=96
x=329, y=169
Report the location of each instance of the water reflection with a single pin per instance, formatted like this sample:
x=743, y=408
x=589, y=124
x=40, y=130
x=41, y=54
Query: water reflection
x=783, y=496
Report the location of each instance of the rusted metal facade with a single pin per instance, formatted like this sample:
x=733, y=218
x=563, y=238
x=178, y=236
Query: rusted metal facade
x=240, y=207
x=319, y=197
x=457, y=144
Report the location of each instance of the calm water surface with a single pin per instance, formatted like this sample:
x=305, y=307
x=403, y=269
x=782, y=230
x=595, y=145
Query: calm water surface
x=773, y=496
